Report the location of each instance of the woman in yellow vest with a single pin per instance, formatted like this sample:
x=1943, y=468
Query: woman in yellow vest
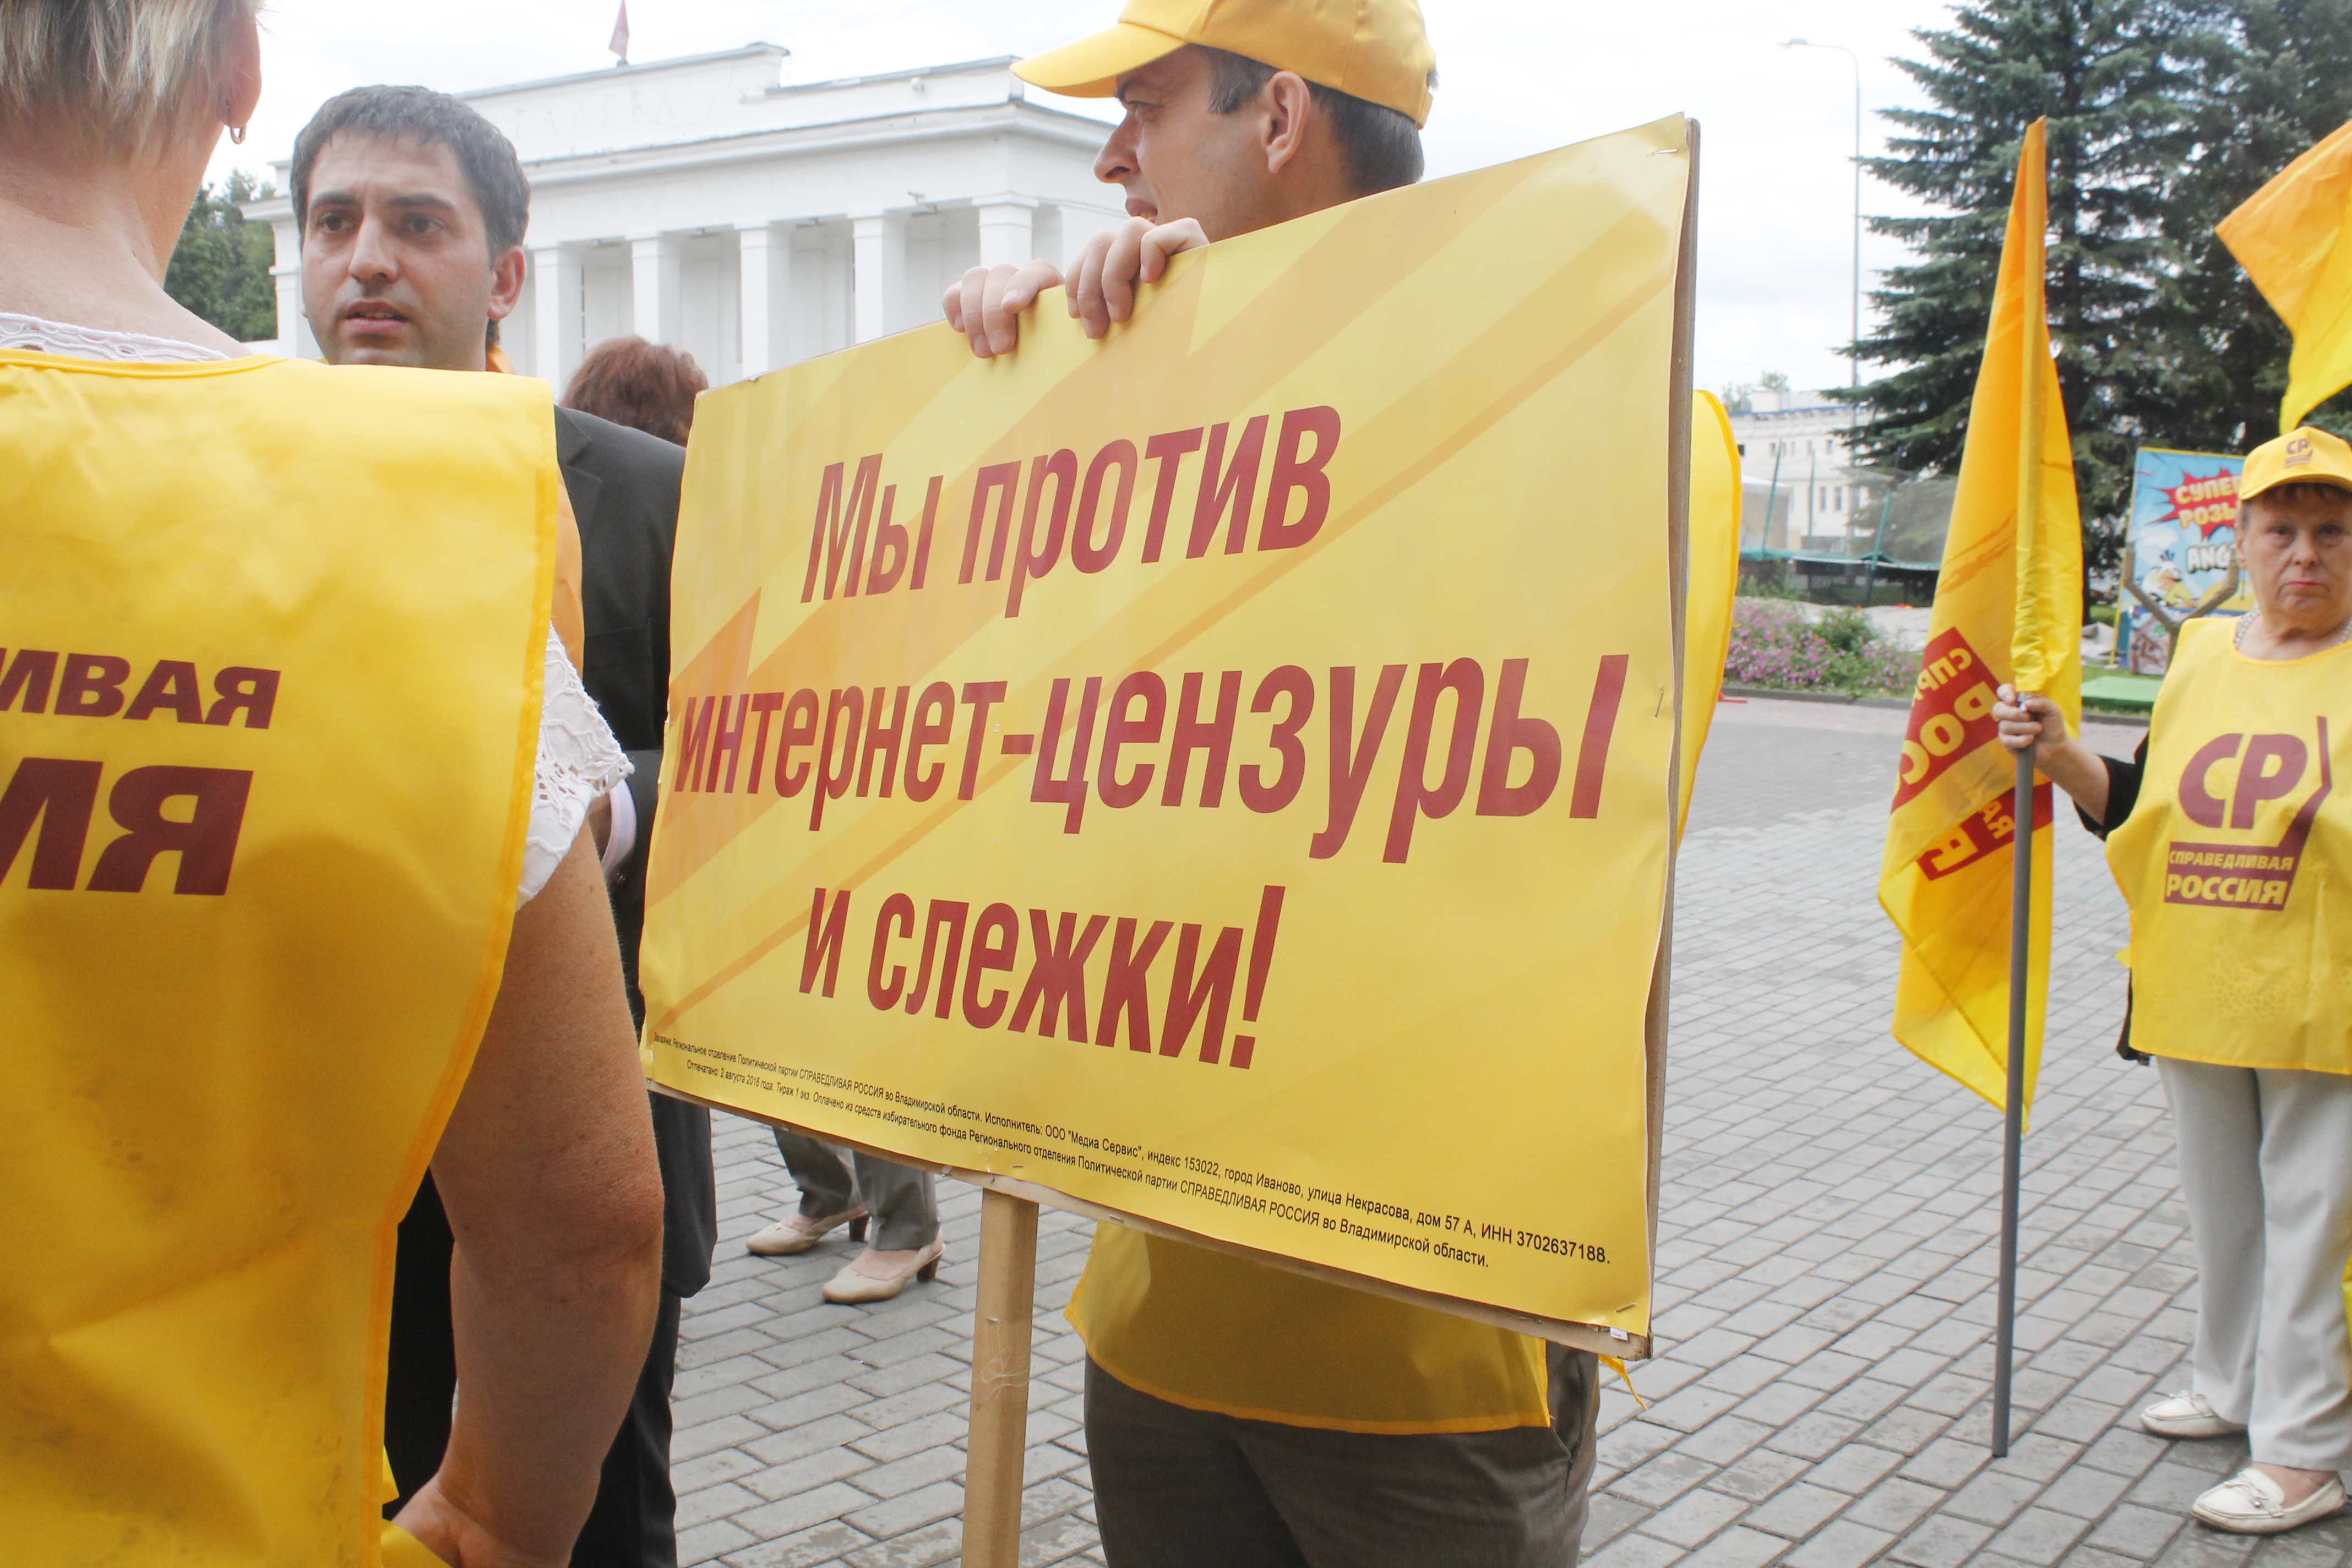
x=2233, y=848
x=292, y=777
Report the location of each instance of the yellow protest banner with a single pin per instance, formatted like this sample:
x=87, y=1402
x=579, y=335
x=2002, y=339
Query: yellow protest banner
x=1224, y=774
x=2006, y=609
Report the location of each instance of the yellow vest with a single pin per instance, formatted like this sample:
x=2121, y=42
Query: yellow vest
x=2237, y=861
x=268, y=709
x=1213, y=1331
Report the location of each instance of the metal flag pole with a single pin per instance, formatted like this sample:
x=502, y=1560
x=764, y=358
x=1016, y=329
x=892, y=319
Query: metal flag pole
x=2020, y=956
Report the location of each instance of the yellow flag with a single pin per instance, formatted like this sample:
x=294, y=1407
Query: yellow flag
x=2294, y=237
x=2005, y=609
x=1713, y=577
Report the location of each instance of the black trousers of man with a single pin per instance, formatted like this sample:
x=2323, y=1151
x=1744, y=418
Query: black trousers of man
x=623, y=487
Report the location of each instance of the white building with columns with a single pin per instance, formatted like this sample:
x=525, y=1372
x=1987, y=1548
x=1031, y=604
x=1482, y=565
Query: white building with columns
x=706, y=203
x=1796, y=455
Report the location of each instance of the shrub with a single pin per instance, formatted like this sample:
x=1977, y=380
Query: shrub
x=1774, y=644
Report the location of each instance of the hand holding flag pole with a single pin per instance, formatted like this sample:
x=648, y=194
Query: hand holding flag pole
x=2011, y=574
x=2012, y=1140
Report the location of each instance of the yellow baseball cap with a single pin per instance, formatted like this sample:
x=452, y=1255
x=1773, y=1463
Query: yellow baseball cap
x=1374, y=50
x=2298, y=458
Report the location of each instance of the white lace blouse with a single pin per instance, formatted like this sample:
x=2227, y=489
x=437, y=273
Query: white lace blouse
x=577, y=758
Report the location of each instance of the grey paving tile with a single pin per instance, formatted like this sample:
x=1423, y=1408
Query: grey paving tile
x=1738, y=1547
x=1895, y=1504
x=1854, y=1468
x=1693, y=1517
x=701, y=1542
x=1942, y=1541
x=799, y=1511
x=1759, y=1474
x=803, y=1548
x=1795, y=1512
x=895, y=1516
x=1639, y=1550
x=1840, y=1545
x=1608, y=1517
x=2039, y=1535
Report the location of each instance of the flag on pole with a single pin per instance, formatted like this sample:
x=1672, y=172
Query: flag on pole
x=1714, y=494
x=2007, y=606
x=620, y=44
x=2294, y=237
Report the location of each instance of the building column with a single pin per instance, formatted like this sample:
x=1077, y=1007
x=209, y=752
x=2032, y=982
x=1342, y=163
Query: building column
x=294, y=339
x=291, y=327
x=556, y=332
x=878, y=246
x=766, y=254
x=1005, y=230
x=654, y=278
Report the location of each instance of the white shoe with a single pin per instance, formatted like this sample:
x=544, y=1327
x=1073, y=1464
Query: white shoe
x=2251, y=1503
x=801, y=1232
x=867, y=1279
x=2186, y=1416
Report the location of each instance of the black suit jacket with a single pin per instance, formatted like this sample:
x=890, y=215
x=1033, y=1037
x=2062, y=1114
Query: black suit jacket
x=623, y=487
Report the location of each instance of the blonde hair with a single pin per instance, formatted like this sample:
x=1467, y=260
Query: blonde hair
x=124, y=72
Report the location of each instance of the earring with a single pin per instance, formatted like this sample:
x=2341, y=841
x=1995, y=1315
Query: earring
x=237, y=135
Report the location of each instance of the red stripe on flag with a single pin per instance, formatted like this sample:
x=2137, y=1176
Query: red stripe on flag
x=1600, y=723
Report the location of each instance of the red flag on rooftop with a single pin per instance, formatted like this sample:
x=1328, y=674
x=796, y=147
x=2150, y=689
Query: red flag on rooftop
x=620, y=44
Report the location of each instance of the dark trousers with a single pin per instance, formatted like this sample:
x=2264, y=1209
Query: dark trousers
x=1187, y=1489
x=633, y=1523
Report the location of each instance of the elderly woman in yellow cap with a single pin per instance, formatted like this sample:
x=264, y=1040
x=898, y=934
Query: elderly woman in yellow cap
x=2235, y=853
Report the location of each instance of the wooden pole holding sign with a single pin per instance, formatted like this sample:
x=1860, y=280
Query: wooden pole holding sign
x=999, y=1380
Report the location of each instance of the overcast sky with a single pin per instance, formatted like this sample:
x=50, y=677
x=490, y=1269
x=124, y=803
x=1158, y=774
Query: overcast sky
x=1518, y=77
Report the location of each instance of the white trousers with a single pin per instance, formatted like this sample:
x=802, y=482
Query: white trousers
x=2267, y=1177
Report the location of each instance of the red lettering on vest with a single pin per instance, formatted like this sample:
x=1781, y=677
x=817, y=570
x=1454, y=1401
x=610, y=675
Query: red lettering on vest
x=204, y=840
x=60, y=794
x=2245, y=876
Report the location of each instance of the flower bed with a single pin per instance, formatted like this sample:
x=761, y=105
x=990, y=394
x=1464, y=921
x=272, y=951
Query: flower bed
x=1776, y=643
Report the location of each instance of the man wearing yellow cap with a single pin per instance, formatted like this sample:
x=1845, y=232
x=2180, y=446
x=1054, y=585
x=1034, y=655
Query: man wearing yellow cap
x=1238, y=1415
x=2233, y=848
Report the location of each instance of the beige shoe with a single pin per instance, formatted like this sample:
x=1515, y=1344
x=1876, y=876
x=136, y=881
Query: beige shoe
x=801, y=1232
x=2186, y=1416
x=869, y=1280
x=2251, y=1503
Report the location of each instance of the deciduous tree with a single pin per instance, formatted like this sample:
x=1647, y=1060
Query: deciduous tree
x=220, y=268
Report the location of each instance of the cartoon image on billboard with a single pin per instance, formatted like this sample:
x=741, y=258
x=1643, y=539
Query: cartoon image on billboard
x=2182, y=541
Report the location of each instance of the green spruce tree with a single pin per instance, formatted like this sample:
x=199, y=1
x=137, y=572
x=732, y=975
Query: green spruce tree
x=2118, y=81
x=220, y=268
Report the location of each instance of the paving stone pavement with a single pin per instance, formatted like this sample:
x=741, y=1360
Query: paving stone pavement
x=1825, y=1268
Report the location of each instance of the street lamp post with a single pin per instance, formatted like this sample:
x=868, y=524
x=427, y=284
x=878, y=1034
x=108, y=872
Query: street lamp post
x=1855, y=368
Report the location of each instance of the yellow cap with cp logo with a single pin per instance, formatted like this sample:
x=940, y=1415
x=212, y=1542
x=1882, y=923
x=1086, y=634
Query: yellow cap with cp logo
x=2306, y=455
x=1374, y=50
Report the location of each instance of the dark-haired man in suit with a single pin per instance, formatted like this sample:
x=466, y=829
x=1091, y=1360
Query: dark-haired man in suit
x=412, y=209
